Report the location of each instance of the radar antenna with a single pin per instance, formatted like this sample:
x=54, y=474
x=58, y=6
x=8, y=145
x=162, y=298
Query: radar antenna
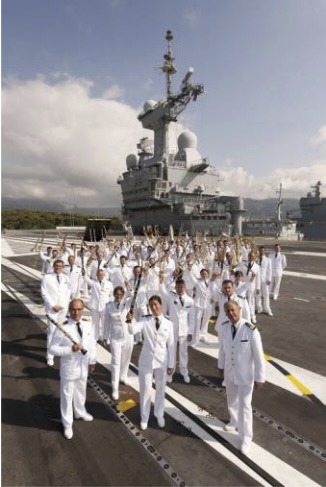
x=279, y=203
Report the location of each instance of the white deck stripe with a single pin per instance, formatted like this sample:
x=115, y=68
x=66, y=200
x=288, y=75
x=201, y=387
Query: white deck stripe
x=305, y=275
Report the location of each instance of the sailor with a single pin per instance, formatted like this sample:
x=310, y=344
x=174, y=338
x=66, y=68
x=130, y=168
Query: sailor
x=241, y=363
x=181, y=311
x=202, y=302
x=81, y=261
x=153, y=278
x=265, y=276
x=48, y=260
x=156, y=358
x=55, y=291
x=74, y=274
x=117, y=333
x=222, y=297
x=101, y=294
x=74, y=365
x=279, y=263
x=98, y=263
x=251, y=272
x=121, y=274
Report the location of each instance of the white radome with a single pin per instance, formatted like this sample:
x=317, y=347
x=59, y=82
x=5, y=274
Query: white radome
x=187, y=140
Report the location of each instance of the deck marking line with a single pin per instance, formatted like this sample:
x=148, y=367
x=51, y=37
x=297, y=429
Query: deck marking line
x=306, y=444
x=302, y=388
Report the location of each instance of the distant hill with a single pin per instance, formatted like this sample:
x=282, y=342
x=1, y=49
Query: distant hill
x=255, y=208
x=267, y=208
x=52, y=205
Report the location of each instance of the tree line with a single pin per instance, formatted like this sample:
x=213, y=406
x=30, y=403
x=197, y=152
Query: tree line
x=24, y=219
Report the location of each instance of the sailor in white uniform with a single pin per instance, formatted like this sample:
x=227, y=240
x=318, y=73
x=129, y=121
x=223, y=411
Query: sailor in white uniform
x=118, y=334
x=101, y=294
x=74, y=365
x=242, y=365
x=156, y=358
x=278, y=265
x=265, y=276
x=55, y=291
x=181, y=311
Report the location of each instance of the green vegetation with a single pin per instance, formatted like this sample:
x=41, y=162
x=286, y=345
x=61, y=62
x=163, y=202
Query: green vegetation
x=31, y=219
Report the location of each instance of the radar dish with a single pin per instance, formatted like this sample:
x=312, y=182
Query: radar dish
x=187, y=140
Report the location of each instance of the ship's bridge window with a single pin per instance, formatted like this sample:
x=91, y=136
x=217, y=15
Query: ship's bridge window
x=152, y=186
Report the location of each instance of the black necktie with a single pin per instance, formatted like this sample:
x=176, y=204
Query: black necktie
x=181, y=300
x=228, y=298
x=71, y=268
x=118, y=305
x=79, y=330
x=58, y=278
x=260, y=261
x=157, y=323
x=98, y=264
x=234, y=330
x=249, y=268
x=275, y=256
x=206, y=283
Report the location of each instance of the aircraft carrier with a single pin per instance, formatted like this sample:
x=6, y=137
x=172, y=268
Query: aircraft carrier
x=169, y=183
x=289, y=446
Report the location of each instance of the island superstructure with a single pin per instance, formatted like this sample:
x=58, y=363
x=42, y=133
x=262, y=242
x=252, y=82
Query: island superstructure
x=168, y=182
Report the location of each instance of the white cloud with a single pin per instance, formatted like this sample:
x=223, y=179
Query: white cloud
x=114, y=92
x=295, y=181
x=320, y=138
x=59, y=142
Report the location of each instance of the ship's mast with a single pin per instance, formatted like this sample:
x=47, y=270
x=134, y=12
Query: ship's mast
x=169, y=67
x=279, y=203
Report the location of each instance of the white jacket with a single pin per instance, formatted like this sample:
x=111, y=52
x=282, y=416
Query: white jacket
x=242, y=358
x=182, y=316
x=158, y=345
x=101, y=293
x=55, y=293
x=278, y=263
x=74, y=365
x=115, y=326
x=265, y=274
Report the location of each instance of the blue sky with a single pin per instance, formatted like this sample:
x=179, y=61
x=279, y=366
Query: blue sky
x=262, y=120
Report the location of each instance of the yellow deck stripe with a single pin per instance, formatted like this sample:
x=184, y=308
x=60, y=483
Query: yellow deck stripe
x=299, y=385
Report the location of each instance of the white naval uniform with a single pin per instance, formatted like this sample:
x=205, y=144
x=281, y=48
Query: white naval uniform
x=101, y=294
x=251, y=272
x=242, y=359
x=73, y=368
x=156, y=356
x=182, y=314
x=202, y=302
x=121, y=339
x=278, y=265
x=47, y=263
x=55, y=293
x=221, y=299
x=74, y=275
x=265, y=276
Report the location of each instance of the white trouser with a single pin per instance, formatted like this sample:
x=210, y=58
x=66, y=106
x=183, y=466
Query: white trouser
x=145, y=389
x=72, y=400
x=98, y=323
x=121, y=355
x=59, y=318
x=202, y=316
x=84, y=287
x=251, y=298
x=275, y=285
x=262, y=299
x=183, y=353
x=239, y=406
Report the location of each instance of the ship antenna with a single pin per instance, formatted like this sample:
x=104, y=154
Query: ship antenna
x=169, y=67
x=279, y=203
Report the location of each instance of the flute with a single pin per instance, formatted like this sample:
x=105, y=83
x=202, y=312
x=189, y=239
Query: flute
x=83, y=351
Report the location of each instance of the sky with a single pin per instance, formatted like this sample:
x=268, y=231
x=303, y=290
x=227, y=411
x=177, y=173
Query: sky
x=76, y=73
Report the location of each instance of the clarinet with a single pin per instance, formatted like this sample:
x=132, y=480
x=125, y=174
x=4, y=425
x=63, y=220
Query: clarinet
x=133, y=301
x=83, y=351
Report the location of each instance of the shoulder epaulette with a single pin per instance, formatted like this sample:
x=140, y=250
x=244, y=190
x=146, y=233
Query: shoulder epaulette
x=239, y=296
x=225, y=322
x=250, y=325
x=146, y=316
x=65, y=322
x=86, y=318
